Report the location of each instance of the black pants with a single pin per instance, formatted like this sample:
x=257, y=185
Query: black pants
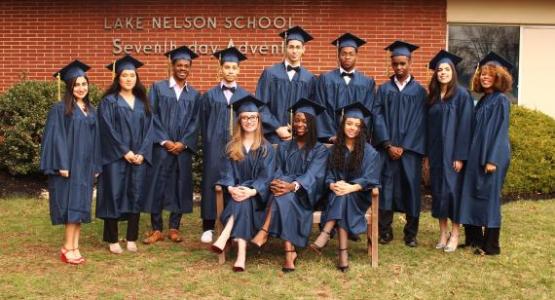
x=385, y=221
x=158, y=223
x=485, y=238
x=208, y=225
x=111, y=229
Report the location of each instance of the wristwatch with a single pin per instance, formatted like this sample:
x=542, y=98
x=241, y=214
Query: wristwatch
x=297, y=186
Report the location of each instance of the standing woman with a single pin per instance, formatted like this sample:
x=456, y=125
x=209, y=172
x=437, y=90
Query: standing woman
x=298, y=184
x=353, y=170
x=245, y=179
x=70, y=157
x=126, y=126
x=489, y=156
x=448, y=130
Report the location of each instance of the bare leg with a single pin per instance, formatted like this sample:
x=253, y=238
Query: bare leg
x=443, y=236
x=262, y=236
x=239, y=265
x=68, y=243
x=324, y=236
x=224, y=237
x=290, y=257
x=454, y=239
x=76, y=235
x=343, y=264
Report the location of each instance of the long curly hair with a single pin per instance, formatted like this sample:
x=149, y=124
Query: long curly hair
x=503, y=79
x=139, y=91
x=337, y=157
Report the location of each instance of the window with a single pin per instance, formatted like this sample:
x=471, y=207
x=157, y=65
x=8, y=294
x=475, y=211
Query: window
x=472, y=42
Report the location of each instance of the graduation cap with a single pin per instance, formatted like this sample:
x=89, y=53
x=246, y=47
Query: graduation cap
x=305, y=105
x=182, y=52
x=72, y=70
x=230, y=54
x=494, y=59
x=348, y=40
x=443, y=57
x=249, y=103
x=400, y=48
x=127, y=62
x=296, y=33
x=354, y=110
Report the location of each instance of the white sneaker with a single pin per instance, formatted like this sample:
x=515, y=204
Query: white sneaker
x=116, y=248
x=207, y=236
x=131, y=246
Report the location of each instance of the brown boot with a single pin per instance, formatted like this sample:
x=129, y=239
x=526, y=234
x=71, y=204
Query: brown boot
x=175, y=236
x=153, y=237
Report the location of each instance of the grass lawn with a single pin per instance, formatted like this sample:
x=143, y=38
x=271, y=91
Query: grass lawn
x=30, y=266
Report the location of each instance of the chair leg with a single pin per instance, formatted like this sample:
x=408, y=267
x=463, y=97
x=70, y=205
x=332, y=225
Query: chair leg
x=219, y=225
x=374, y=227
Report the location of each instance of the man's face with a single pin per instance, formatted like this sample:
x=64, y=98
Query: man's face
x=294, y=51
x=347, y=58
x=401, y=66
x=181, y=69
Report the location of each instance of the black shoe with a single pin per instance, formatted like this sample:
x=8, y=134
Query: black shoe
x=385, y=238
x=411, y=242
x=481, y=251
x=354, y=237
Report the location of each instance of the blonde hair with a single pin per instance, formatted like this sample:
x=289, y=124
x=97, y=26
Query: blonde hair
x=503, y=80
x=234, y=148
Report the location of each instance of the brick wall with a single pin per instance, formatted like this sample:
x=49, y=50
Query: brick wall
x=38, y=37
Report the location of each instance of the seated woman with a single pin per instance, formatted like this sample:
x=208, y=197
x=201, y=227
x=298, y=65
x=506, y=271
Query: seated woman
x=353, y=170
x=297, y=185
x=245, y=178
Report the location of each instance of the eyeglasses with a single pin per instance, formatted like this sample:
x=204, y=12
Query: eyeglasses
x=249, y=118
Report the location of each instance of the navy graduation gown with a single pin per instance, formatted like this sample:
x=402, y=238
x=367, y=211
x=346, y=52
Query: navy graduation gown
x=292, y=212
x=481, y=192
x=333, y=93
x=403, y=123
x=448, y=131
x=70, y=142
x=279, y=93
x=349, y=210
x=254, y=171
x=215, y=112
x=122, y=129
x=169, y=180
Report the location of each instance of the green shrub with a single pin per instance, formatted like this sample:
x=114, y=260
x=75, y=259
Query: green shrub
x=23, y=111
x=532, y=168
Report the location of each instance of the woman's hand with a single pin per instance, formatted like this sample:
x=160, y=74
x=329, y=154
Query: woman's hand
x=458, y=165
x=64, y=173
x=139, y=159
x=490, y=168
x=341, y=188
x=130, y=157
x=241, y=193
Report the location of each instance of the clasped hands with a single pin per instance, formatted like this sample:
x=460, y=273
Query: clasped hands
x=241, y=193
x=174, y=148
x=279, y=187
x=342, y=188
x=133, y=158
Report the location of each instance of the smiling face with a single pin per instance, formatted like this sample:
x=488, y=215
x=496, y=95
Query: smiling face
x=348, y=58
x=444, y=73
x=352, y=127
x=249, y=121
x=230, y=71
x=127, y=80
x=401, y=66
x=487, y=79
x=294, y=51
x=300, y=124
x=181, y=69
x=80, y=88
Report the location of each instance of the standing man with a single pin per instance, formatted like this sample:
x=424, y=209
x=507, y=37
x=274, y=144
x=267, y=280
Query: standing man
x=216, y=116
x=169, y=183
x=342, y=86
x=400, y=133
x=281, y=85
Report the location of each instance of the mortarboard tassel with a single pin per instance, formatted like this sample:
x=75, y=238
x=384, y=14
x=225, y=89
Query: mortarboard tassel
x=59, y=85
x=472, y=80
x=114, y=70
x=230, y=121
x=386, y=64
x=169, y=65
x=219, y=70
x=337, y=54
